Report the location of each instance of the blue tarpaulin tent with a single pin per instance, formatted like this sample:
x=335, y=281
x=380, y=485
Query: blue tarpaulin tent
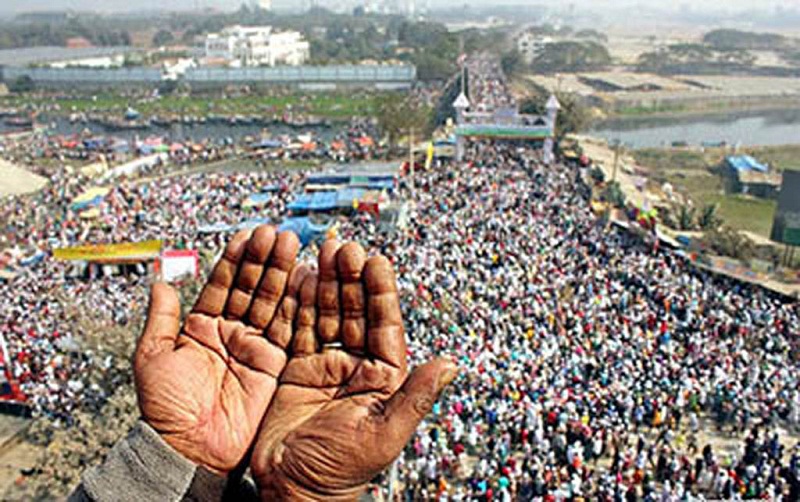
x=306, y=230
x=381, y=185
x=323, y=201
x=214, y=228
x=745, y=163
x=318, y=201
x=345, y=197
x=301, y=203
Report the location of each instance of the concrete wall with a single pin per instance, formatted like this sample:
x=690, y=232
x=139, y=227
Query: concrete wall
x=383, y=76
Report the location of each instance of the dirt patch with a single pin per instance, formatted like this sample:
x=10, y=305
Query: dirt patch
x=15, y=180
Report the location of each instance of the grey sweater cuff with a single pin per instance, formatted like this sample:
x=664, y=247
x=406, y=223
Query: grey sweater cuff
x=140, y=467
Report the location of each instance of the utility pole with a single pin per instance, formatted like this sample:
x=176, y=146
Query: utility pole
x=463, y=63
x=617, y=146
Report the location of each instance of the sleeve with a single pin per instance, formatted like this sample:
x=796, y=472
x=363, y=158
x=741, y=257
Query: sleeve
x=142, y=466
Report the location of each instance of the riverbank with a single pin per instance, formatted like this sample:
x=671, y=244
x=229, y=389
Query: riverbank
x=702, y=109
x=671, y=179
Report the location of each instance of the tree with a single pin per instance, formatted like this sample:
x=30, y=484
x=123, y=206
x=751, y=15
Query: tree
x=432, y=67
x=512, y=62
x=397, y=115
x=592, y=34
x=613, y=193
x=736, y=39
x=163, y=37
x=573, y=117
x=708, y=219
x=686, y=218
x=572, y=57
x=727, y=242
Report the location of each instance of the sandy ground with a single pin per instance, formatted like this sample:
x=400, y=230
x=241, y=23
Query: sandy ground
x=16, y=454
x=15, y=180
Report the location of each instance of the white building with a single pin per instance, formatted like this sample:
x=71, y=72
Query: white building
x=263, y=4
x=531, y=45
x=257, y=46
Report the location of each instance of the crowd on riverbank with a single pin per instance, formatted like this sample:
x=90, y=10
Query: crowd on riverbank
x=44, y=152
x=592, y=366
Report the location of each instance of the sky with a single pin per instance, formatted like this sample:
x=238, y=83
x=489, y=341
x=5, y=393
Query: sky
x=16, y=6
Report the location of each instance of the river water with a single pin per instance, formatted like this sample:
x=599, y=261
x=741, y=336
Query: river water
x=746, y=128
x=780, y=127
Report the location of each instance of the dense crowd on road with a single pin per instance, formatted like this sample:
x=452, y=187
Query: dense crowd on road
x=593, y=367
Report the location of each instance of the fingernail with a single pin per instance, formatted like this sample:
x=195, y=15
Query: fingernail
x=448, y=374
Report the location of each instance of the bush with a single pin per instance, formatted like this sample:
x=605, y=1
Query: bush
x=614, y=194
x=728, y=242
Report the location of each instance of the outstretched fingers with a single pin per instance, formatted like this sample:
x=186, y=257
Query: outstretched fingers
x=280, y=330
x=215, y=293
x=273, y=284
x=328, y=322
x=409, y=405
x=257, y=252
x=350, y=261
x=385, y=336
x=305, y=342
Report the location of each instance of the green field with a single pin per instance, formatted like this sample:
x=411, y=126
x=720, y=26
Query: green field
x=695, y=174
x=334, y=105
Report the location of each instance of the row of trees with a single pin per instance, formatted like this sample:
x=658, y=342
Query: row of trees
x=334, y=37
x=14, y=36
x=566, y=56
x=721, y=51
x=694, y=59
x=727, y=39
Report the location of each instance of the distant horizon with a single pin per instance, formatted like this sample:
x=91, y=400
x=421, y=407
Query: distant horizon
x=13, y=7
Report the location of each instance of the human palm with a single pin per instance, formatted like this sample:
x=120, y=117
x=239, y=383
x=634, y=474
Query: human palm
x=345, y=406
x=206, y=385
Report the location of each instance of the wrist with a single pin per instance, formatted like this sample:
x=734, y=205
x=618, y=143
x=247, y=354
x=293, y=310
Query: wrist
x=192, y=452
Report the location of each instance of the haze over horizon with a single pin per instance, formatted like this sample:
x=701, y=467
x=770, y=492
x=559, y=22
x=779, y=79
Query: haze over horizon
x=18, y=6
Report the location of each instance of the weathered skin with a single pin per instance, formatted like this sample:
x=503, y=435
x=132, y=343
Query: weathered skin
x=345, y=406
x=205, y=386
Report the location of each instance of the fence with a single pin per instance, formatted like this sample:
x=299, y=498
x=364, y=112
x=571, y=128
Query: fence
x=380, y=76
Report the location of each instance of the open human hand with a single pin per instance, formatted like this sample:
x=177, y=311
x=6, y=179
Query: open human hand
x=205, y=386
x=345, y=406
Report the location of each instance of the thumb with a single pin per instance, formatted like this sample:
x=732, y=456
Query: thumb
x=414, y=400
x=163, y=322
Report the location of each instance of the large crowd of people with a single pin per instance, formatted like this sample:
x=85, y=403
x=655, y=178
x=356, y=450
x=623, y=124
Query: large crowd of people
x=593, y=367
